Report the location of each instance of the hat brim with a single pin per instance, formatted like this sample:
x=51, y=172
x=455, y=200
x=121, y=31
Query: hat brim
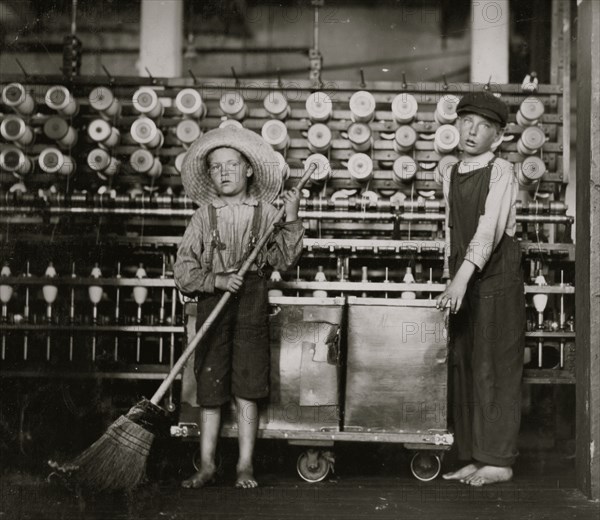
x=488, y=114
x=265, y=164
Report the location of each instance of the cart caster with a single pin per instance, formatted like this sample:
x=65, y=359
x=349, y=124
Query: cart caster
x=313, y=465
x=425, y=465
x=196, y=460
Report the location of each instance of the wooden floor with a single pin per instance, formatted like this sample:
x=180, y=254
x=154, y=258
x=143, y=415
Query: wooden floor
x=372, y=482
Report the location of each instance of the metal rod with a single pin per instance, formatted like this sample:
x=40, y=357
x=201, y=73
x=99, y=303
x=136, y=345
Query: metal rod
x=48, y=340
x=161, y=312
x=72, y=314
x=74, y=17
x=233, y=73
x=350, y=245
x=334, y=215
x=22, y=69
x=160, y=347
x=108, y=74
x=139, y=336
x=135, y=329
x=4, y=321
x=95, y=324
x=59, y=201
x=117, y=297
x=173, y=321
x=125, y=282
x=26, y=315
x=316, y=27
x=150, y=75
x=360, y=286
x=561, y=318
x=29, y=202
x=562, y=353
x=172, y=343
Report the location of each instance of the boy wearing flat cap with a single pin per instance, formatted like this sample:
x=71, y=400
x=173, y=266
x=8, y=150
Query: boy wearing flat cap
x=485, y=296
x=233, y=175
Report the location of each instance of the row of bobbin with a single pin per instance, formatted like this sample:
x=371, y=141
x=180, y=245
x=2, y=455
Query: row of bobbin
x=319, y=107
x=146, y=133
x=531, y=141
x=57, y=97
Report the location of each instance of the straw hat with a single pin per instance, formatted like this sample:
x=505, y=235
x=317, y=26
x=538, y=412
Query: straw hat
x=267, y=178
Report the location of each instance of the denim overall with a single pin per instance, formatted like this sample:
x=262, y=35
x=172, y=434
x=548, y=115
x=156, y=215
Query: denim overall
x=487, y=335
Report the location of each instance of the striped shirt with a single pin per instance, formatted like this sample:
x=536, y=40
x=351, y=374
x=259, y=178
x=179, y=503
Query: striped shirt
x=195, y=272
x=500, y=214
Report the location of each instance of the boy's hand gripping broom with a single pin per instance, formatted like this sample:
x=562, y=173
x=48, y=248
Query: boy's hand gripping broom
x=117, y=460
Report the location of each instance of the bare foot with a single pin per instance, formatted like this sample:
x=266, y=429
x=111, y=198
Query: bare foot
x=205, y=476
x=462, y=473
x=490, y=475
x=245, y=478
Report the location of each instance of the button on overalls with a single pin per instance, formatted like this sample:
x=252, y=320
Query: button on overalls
x=487, y=335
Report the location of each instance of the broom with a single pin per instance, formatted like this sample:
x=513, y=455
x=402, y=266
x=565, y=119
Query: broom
x=117, y=460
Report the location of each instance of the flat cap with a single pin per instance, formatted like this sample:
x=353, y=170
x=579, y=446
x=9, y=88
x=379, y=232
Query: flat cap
x=485, y=104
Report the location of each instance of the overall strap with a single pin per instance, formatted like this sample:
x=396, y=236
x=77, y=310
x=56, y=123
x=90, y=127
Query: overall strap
x=453, y=173
x=488, y=172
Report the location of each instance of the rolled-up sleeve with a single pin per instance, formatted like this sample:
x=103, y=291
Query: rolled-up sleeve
x=492, y=223
x=286, y=246
x=190, y=275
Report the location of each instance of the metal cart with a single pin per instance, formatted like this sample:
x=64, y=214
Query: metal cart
x=348, y=369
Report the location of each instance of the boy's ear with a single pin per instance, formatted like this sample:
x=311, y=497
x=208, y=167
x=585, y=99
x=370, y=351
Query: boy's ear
x=499, y=135
x=249, y=171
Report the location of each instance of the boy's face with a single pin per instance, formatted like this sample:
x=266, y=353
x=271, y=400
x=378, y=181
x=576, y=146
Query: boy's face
x=477, y=134
x=229, y=171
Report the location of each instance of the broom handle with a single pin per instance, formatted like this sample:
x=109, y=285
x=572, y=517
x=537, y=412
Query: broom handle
x=168, y=381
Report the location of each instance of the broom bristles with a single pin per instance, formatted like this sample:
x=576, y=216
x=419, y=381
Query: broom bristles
x=117, y=460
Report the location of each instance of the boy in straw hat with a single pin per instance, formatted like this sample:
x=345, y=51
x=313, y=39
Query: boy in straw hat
x=233, y=175
x=487, y=324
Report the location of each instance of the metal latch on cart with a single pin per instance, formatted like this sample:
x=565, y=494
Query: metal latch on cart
x=442, y=439
x=185, y=430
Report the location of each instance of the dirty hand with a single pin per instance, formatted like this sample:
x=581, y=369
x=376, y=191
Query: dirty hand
x=291, y=200
x=452, y=296
x=229, y=282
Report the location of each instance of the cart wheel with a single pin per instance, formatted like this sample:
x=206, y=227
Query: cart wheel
x=312, y=466
x=196, y=460
x=425, y=465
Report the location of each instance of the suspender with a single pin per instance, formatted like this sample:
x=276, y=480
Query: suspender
x=217, y=246
x=215, y=239
x=255, y=230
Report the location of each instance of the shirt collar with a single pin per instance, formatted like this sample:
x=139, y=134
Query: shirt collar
x=250, y=200
x=483, y=159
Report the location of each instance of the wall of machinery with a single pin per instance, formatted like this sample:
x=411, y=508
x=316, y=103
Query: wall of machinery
x=93, y=208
